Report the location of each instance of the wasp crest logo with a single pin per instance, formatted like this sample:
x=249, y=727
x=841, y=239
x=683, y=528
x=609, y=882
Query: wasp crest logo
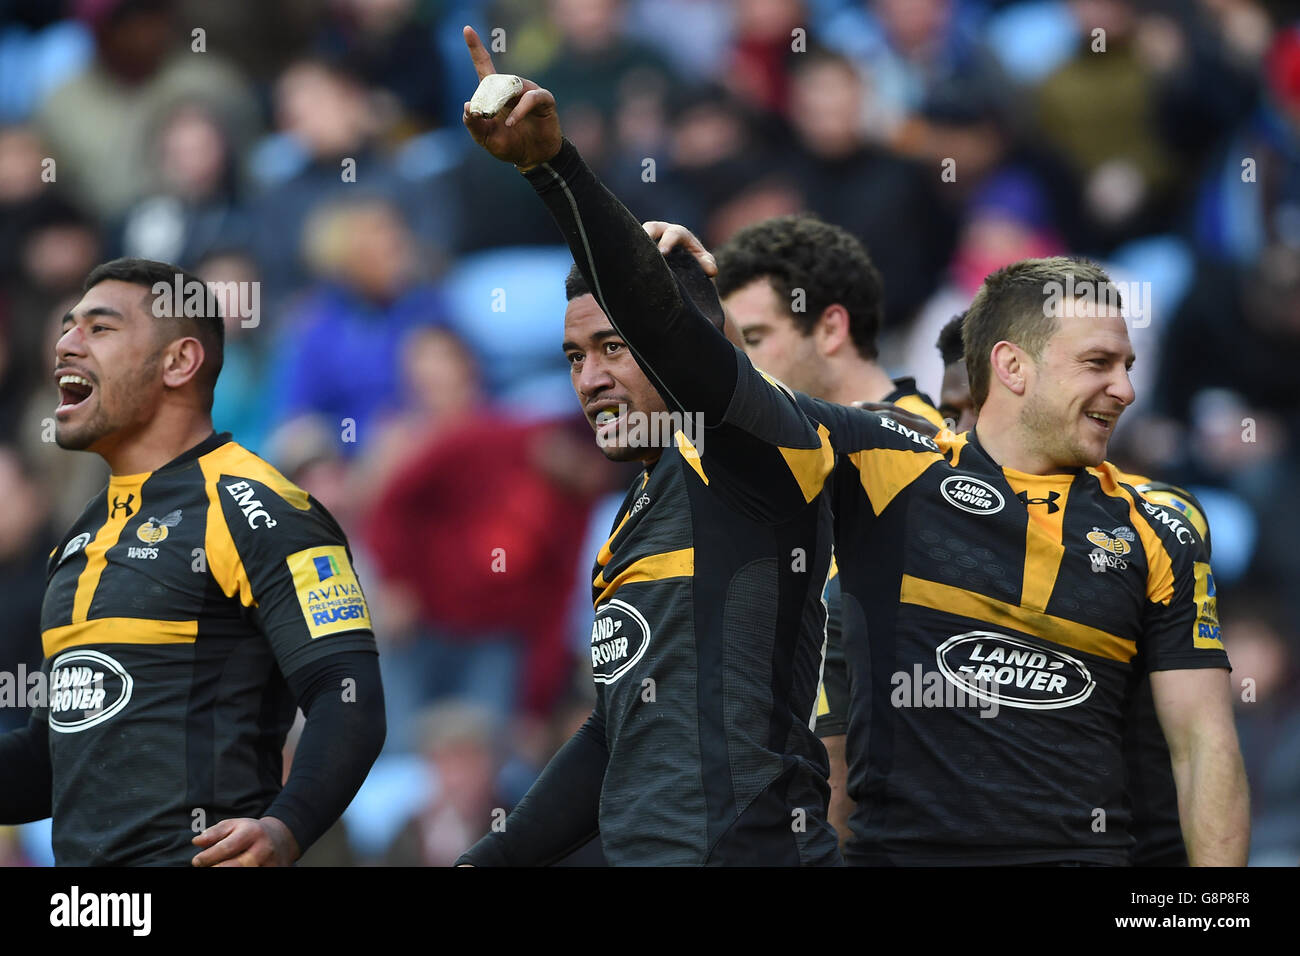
x=1117, y=542
x=156, y=529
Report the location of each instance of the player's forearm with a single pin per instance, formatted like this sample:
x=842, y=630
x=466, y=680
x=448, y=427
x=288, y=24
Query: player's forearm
x=25, y=774
x=1213, y=802
x=681, y=351
x=559, y=813
x=344, y=732
x=841, y=804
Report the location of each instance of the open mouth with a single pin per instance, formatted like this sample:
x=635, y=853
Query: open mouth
x=74, y=390
x=1101, y=420
x=608, y=417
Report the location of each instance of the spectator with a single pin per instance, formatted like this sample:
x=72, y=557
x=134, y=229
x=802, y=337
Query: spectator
x=327, y=151
x=193, y=206
x=392, y=47
x=97, y=123
x=457, y=740
x=889, y=203
x=240, y=400
x=477, y=529
x=338, y=352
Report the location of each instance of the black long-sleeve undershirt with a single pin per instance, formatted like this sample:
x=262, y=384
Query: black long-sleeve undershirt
x=685, y=356
x=343, y=735
x=26, y=776
x=560, y=811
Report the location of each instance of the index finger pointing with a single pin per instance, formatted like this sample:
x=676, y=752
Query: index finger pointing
x=478, y=53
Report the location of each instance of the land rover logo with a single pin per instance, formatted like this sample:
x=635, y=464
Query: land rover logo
x=619, y=638
x=1014, y=672
x=86, y=688
x=971, y=494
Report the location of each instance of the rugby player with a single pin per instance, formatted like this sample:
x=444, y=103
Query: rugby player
x=955, y=403
x=707, y=642
x=1151, y=787
x=195, y=604
x=1019, y=556
x=807, y=301
x=1157, y=837
x=871, y=683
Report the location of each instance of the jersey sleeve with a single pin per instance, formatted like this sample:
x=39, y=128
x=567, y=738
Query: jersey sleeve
x=1181, y=624
x=289, y=561
x=765, y=456
x=833, y=700
x=753, y=445
x=686, y=357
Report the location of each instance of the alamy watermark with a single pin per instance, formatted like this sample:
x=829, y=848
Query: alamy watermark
x=624, y=428
x=190, y=298
x=931, y=689
x=1130, y=299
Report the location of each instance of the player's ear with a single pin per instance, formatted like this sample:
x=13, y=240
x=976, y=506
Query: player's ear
x=181, y=361
x=1009, y=366
x=833, y=329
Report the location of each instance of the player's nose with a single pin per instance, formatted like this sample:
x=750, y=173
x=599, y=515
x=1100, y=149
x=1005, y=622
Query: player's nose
x=71, y=344
x=1121, y=388
x=594, y=378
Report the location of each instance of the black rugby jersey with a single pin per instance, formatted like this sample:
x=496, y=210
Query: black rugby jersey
x=833, y=698
x=710, y=624
x=174, y=608
x=995, y=625
x=707, y=642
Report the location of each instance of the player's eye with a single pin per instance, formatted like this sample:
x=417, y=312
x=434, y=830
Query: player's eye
x=573, y=358
x=612, y=347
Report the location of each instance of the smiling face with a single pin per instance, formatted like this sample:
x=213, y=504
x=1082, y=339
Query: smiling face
x=1075, y=393
x=108, y=367
x=609, y=384
x=773, y=341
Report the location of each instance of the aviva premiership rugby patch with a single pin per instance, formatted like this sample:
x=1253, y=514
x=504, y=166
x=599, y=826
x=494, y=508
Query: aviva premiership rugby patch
x=328, y=591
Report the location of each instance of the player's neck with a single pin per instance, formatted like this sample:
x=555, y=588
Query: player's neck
x=860, y=381
x=1006, y=443
x=148, y=449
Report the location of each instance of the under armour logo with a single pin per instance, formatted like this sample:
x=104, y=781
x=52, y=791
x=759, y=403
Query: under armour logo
x=1050, y=501
x=124, y=505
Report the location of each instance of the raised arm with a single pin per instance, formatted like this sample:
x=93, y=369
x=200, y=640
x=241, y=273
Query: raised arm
x=685, y=355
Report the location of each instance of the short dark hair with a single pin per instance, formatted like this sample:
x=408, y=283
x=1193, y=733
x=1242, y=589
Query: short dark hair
x=1015, y=304
x=690, y=275
x=208, y=326
x=826, y=262
x=949, y=343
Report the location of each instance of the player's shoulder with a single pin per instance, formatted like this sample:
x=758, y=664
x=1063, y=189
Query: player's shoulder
x=254, y=497
x=236, y=471
x=911, y=399
x=854, y=429
x=1174, y=530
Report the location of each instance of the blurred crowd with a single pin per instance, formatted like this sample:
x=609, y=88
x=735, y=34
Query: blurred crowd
x=401, y=358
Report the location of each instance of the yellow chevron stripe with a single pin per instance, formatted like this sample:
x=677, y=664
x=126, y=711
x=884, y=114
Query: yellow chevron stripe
x=118, y=630
x=981, y=607
x=654, y=567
